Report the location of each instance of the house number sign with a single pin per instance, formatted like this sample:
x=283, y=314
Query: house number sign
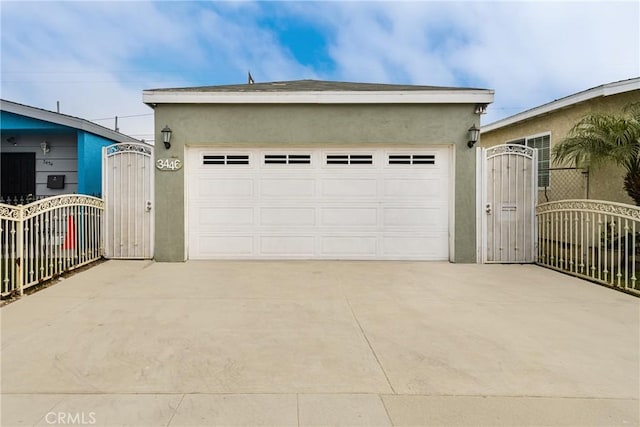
x=169, y=164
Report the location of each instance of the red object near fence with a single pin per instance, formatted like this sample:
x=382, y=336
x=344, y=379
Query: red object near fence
x=70, y=238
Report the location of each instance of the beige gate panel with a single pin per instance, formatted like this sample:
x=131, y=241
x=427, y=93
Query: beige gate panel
x=509, y=180
x=127, y=188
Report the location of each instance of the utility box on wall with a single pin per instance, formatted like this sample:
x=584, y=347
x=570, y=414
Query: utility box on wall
x=55, y=182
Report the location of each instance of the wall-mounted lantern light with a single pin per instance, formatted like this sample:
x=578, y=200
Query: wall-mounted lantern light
x=474, y=134
x=45, y=147
x=166, y=136
x=481, y=109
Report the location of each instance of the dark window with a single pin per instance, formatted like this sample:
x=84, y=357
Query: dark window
x=412, y=159
x=238, y=160
x=226, y=159
x=399, y=159
x=358, y=159
x=284, y=159
x=424, y=159
x=270, y=159
x=349, y=159
x=213, y=160
x=338, y=159
x=18, y=175
x=301, y=159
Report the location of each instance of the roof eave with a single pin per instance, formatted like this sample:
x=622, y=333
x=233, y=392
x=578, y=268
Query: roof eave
x=321, y=97
x=597, y=92
x=64, y=120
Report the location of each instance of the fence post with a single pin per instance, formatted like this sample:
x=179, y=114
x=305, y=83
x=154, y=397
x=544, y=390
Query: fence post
x=20, y=250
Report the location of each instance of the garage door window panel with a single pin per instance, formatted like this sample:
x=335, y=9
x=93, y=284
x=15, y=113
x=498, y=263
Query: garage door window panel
x=287, y=159
x=394, y=159
x=225, y=159
x=348, y=159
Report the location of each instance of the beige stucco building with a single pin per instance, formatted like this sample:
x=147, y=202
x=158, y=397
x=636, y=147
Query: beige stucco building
x=544, y=126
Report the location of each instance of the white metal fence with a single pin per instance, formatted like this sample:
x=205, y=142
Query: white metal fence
x=593, y=239
x=46, y=238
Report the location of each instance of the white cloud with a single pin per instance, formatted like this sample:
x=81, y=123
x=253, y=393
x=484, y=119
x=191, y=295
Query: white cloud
x=242, y=45
x=533, y=53
x=85, y=92
x=97, y=57
x=78, y=54
x=529, y=52
x=384, y=42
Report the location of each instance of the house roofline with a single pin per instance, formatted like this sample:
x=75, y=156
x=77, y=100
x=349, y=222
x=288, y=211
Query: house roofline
x=596, y=92
x=433, y=96
x=64, y=120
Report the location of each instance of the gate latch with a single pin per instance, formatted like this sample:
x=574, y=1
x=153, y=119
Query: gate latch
x=488, y=208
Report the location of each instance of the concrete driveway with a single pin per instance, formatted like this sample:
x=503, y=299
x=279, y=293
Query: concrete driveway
x=320, y=343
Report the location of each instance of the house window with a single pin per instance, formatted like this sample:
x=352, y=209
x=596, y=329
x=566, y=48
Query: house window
x=542, y=143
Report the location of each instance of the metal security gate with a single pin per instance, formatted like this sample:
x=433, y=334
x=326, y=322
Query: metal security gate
x=127, y=188
x=508, y=176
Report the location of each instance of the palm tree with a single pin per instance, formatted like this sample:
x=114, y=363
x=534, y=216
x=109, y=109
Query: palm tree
x=598, y=138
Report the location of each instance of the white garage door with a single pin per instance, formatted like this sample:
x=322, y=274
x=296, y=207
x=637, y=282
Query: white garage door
x=327, y=204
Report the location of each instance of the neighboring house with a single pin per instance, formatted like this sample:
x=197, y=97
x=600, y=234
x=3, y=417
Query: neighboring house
x=316, y=170
x=544, y=126
x=44, y=153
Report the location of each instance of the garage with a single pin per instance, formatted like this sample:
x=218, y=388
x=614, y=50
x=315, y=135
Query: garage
x=310, y=203
x=311, y=169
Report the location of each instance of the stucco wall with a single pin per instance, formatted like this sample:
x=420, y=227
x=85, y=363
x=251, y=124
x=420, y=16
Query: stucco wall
x=319, y=125
x=605, y=182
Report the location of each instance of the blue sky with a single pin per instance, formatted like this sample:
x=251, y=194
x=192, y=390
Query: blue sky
x=96, y=58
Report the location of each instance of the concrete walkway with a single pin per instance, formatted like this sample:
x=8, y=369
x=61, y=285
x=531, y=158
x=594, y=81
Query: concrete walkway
x=320, y=343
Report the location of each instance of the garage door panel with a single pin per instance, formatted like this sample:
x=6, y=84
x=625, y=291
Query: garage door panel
x=350, y=187
x=287, y=187
x=349, y=217
x=226, y=216
x=236, y=188
x=434, y=246
x=336, y=246
x=287, y=216
x=290, y=246
x=414, y=217
x=426, y=188
x=226, y=245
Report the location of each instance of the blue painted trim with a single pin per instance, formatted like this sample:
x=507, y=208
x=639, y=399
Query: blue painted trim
x=11, y=121
x=90, y=163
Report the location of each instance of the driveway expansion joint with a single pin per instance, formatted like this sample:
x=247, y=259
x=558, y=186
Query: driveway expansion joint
x=364, y=335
